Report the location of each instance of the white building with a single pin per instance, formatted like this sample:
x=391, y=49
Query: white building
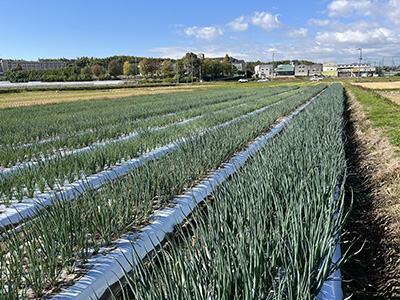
x=238, y=63
x=308, y=70
x=263, y=71
x=352, y=70
x=6, y=64
x=329, y=69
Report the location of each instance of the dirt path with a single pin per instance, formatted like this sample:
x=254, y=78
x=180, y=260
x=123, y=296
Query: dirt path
x=373, y=225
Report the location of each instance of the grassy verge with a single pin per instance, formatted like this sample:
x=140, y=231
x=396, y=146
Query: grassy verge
x=373, y=192
x=383, y=112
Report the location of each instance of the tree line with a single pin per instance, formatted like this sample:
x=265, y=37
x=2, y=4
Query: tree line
x=187, y=69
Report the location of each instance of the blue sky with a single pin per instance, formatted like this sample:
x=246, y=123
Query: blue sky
x=320, y=30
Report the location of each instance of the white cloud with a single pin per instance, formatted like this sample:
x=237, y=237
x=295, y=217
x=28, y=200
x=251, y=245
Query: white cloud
x=390, y=10
x=357, y=36
x=318, y=22
x=174, y=52
x=266, y=20
x=300, y=33
x=346, y=8
x=239, y=24
x=205, y=33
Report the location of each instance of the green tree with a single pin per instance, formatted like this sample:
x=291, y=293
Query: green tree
x=190, y=63
x=133, y=69
x=86, y=71
x=211, y=68
x=167, y=66
x=17, y=68
x=207, y=67
x=226, y=66
x=82, y=62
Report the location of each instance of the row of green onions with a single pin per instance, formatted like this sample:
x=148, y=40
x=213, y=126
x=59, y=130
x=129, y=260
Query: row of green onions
x=270, y=231
x=10, y=156
x=67, y=169
x=66, y=233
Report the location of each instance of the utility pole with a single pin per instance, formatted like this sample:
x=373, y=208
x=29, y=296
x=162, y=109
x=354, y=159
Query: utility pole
x=272, y=74
x=359, y=64
x=200, y=71
x=177, y=71
x=191, y=61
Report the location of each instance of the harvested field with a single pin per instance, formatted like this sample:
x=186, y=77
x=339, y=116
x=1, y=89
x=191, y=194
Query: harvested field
x=379, y=85
x=33, y=98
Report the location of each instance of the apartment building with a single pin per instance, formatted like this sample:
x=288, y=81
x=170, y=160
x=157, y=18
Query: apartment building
x=263, y=71
x=7, y=64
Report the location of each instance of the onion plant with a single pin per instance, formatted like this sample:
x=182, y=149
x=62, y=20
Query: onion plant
x=87, y=163
x=67, y=232
x=9, y=156
x=271, y=230
x=47, y=122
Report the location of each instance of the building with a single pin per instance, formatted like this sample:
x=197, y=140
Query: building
x=330, y=69
x=308, y=70
x=263, y=71
x=353, y=70
x=201, y=56
x=285, y=71
x=7, y=64
x=238, y=63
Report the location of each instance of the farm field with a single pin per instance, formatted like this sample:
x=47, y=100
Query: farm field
x=33, y=97
x=80, y=145
x=379, y=85
x=267, y=231
x=54, y=96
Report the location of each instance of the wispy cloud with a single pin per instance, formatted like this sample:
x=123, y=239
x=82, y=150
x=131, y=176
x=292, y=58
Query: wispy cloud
x=357, y=37
x=345, y=8
x=389, y=10
x=239, y=24
x=205, y=33
x=300, y=33
x=266, y=20
x=318, y=22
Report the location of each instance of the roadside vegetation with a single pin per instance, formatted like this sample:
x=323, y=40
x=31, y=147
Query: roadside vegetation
x=373, y=192
x=383, y=112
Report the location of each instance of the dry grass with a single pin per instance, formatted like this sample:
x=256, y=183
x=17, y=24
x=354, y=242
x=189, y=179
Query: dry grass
x=378, y=164
x=32, y=98
x=379, y=85
x=392, y=95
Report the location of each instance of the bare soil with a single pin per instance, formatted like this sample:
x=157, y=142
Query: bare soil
x=373, y=188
